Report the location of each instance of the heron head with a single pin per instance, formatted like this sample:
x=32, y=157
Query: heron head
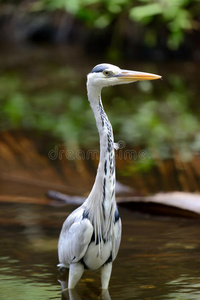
x=105, y=74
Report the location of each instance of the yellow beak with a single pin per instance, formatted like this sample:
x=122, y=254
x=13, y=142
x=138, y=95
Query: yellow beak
x=126, y=75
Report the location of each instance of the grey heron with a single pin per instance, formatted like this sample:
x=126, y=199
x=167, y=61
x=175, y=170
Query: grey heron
x=91, y=235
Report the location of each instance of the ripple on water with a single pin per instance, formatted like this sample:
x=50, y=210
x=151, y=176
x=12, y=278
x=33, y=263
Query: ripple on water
x=158, y=259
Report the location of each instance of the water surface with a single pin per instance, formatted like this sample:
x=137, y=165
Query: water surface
x=158, y=259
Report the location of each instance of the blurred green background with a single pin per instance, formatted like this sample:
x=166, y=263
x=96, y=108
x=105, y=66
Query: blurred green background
x=47, y=47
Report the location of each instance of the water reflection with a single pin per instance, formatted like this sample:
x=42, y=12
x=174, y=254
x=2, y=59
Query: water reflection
x=184, y=285
x=158, y=257
x=89, y=289
x=72, y=294
x=69, y=294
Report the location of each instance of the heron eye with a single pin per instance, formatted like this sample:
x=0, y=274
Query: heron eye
x=106, y=73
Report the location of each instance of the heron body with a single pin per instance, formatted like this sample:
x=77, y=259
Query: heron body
x=91, y=235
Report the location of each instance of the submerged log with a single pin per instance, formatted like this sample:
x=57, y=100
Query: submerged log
x=183, y=201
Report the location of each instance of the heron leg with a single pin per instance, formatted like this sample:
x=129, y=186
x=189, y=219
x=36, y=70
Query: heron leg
x=105, y=275
x=75, y=273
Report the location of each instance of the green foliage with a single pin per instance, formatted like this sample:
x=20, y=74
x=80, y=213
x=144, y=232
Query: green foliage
x=169, y=19
x=44, y=110
x=166, y=124
x=162, y=118
x=177, y=16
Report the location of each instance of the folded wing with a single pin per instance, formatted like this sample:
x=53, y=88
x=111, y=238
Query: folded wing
x=74, y=238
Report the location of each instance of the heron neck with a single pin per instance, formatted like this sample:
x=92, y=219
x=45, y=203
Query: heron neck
x=103, y=190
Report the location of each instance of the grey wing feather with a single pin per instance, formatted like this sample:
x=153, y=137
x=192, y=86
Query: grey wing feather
x=117, y=237
x=74, y=238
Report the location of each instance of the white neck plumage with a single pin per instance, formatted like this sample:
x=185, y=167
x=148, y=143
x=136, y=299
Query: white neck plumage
x=102, y=197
